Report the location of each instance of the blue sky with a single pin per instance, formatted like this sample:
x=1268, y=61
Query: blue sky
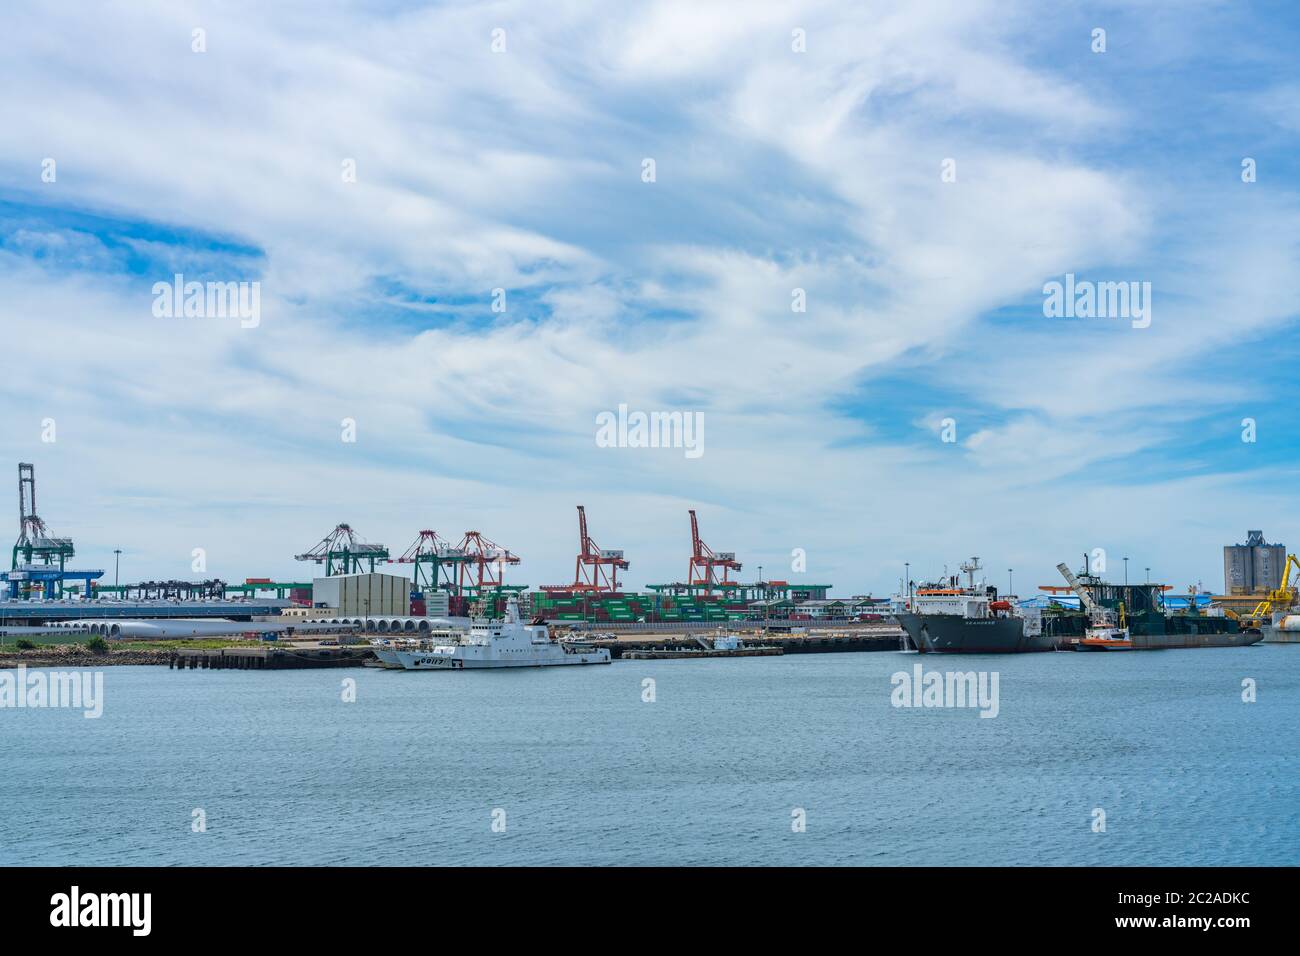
x=775, y=170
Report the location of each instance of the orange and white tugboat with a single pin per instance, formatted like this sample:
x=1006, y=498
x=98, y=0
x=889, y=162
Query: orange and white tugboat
x=1102, y=638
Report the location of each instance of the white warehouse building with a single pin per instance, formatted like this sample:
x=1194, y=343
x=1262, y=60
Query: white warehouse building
x=374, y=595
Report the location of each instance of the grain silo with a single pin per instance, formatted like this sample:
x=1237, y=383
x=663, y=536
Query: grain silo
x=1253, y=567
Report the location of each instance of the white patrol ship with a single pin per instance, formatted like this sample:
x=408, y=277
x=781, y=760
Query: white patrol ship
x=507, y=643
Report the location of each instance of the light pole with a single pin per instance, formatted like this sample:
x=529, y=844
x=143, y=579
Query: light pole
x=907, y=582
x=1010, y=590
x=1148, y=575
x=1126, y=572
x=117, y=566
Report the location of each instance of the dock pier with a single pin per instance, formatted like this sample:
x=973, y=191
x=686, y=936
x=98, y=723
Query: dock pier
x=296, y=658
x=268, y=658
x=666, y=653
x=876, y=640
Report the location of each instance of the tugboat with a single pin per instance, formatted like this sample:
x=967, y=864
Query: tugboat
x=1102, y=638
x=495, y=643
x=948, y=618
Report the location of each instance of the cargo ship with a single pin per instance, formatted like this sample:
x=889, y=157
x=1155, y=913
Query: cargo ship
x=951, y=618
x=1151, y=624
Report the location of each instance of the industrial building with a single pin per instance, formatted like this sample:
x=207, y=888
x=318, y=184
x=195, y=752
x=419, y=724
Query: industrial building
x=1254, y=567
x=363, y=594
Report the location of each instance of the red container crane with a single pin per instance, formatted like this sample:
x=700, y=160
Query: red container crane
x=596, y=570
x=705, y=562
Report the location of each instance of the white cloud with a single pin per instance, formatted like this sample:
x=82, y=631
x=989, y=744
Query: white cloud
x=521, y=170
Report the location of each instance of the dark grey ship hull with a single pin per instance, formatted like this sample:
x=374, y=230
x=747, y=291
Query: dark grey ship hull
x=1154, y=631
x=950, y=634
x=1193, y=638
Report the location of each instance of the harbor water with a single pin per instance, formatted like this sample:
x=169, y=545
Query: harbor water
x=1140, y=758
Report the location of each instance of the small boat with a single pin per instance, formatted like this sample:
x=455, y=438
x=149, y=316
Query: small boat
x=1102, y=638
x=385, y=653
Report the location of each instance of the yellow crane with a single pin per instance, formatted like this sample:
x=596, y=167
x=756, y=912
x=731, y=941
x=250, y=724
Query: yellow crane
x=1285, y=596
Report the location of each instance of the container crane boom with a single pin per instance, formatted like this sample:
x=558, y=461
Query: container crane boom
x=704, y=562
x=596, y=569
x=1095, y=611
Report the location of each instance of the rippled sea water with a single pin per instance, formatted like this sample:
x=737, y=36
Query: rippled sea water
x=586, y=772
